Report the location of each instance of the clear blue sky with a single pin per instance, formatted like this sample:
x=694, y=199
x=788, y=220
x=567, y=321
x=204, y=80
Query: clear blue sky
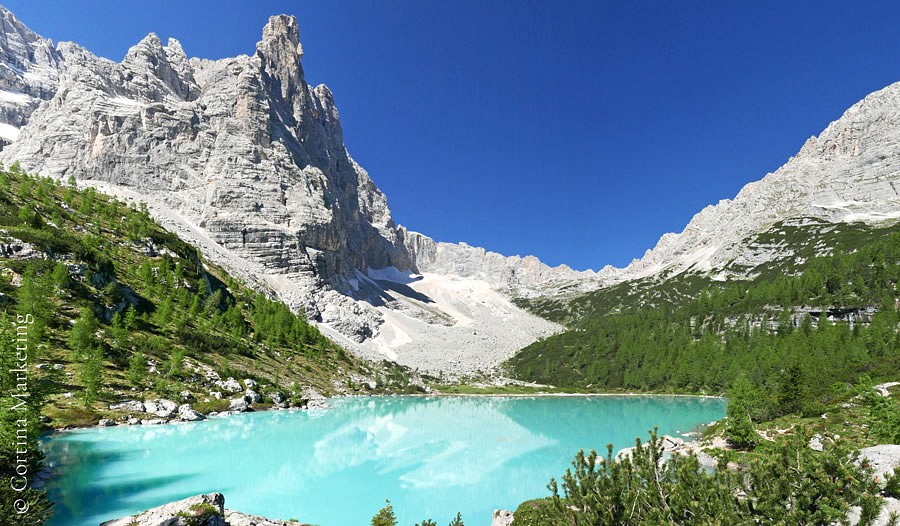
x=575, y=131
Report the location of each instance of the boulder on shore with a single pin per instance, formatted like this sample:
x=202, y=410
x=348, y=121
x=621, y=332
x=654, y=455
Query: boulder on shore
x=131, y=406
x=238, y=404
x=208, y=510
x=179, y=513
x=188, y=413
x=502, y=518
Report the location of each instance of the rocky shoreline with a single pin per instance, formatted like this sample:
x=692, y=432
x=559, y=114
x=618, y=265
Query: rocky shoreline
x=164, y=411
x=209, y=510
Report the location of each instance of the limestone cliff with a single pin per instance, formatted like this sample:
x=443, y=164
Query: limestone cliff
x=244, y=158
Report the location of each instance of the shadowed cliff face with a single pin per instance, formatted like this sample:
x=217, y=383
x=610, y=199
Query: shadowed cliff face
x=246, y=160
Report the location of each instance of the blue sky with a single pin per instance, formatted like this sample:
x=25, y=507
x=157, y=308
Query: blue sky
x=576, y=131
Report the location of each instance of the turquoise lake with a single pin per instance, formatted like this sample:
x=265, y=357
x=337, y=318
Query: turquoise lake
x=431, y=456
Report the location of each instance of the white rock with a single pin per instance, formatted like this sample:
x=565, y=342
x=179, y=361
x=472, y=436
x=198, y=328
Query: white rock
x=238, y=404
x=883, y=459
x=884, y=389
x=131, y=406
x=187, y=413
x=170, y=514
x=816, y=444
x=250, y=384
x=502, y=518
x=230, y=385
x=161, y=407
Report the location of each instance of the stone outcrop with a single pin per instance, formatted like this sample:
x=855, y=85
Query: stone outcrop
x=206, y=510
x=883, y=459
x=243, y=158
x=502, y=518
x=188, y=413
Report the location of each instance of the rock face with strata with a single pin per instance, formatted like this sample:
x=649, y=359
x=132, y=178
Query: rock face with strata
x=246, y=160
x=30, y=67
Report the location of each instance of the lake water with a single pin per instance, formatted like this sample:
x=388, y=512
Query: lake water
x=431, y=456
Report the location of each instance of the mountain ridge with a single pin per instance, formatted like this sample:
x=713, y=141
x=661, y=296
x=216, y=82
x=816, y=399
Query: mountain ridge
x=859, y=146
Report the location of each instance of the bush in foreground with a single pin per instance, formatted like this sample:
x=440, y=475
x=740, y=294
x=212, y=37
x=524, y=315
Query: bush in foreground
x=785, y=484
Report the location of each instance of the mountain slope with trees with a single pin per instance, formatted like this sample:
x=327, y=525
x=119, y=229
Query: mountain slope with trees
x=99, y=303
x=798, y=331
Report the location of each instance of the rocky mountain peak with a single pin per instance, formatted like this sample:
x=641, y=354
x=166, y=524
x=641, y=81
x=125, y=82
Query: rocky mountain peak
x=161, y=72
x=241, y=157
x=280, y=54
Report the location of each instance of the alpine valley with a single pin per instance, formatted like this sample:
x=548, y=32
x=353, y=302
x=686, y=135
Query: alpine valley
x=195, y=230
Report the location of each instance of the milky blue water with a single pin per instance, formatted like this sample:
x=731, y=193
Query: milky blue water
x=431, y=456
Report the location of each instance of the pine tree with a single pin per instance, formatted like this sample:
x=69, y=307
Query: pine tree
x=60, y=276
x=385, y=516
x=82, y=337
x=792, y=395
x=130, y=319
x=739, y=427
x=91, y=375
x=137, y=369
x=175, y=363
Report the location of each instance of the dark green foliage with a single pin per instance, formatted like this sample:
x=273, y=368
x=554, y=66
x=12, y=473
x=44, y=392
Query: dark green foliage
x=794, y=485
x=792, y=393
x=457, y=521
x=740, y=431
x=789, y=484
x=892, y=485
x=176, y=363
x=884, y=419
x=83, y=336
x=642, y=490
x=385, y=516
x=20, y=423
